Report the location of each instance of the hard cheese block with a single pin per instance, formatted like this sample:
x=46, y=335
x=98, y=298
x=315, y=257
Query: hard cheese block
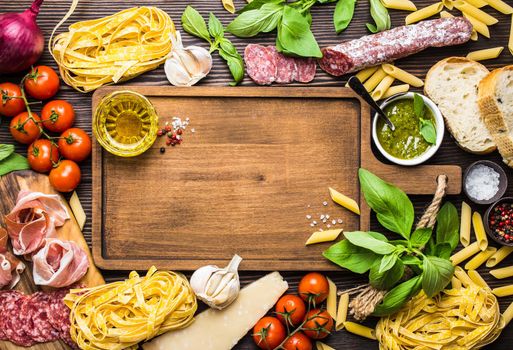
x=222, y=330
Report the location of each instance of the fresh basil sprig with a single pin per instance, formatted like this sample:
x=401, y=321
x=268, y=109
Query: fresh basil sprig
x=344, y=11
x=427, y=127
x=11, y=161
x=380, y=15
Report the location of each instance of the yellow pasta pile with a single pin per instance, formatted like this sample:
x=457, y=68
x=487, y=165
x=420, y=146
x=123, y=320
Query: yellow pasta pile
x=114, y=48
x=463, y=318
x=121, y=314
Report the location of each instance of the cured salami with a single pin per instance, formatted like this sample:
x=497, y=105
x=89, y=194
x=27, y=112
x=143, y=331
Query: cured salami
x=260, y=64
x=305, y=70
x=42, y=330
x=392, y=44
x=13, y=324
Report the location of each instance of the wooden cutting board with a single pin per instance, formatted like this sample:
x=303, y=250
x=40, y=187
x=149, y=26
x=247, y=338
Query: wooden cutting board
x=260, y=161
x=10, y=185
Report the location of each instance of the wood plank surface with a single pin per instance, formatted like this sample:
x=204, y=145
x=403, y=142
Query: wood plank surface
x=53, y=10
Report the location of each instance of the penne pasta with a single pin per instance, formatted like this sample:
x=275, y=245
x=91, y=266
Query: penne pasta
x=322, y=346
x=486, y=54
x=503, y=291
x=405, y=5
x=331, y=303
x=374, y=79
x=466, y=213
x=477, y=279
x=323, y=236
x=449, y=4
x=402, y=75
x=477, y=3
x=228, y=5
x=477, y=224
x=508, y=315
x=382, y=87
x=343, y=305
x=500, y=6
x=500, y=255
x=462, y=276
x=501, y=273
x=345, y=201
x=424, y=13
x=455, y=283
x=360, y=330
x=480, y=258
x=478, y=26
x=510, y=42
x=397, y=89
x=465, y=253
x=365, y=74
x=473, y=36
x=473, y=11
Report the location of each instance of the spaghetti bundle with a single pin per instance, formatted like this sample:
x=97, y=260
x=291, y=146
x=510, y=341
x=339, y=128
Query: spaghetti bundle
x=121, y=314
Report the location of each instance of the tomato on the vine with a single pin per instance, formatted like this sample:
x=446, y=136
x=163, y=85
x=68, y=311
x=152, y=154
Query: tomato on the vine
x=75, y=144
x=268, y=333
x=11, y=105
x=25, y=128
x=65, y=176
x=290, y=309
x=42, y=154
x=318, y=325
x=314, y=287
x=58, y=116
x=298, y=341
x=42, y=83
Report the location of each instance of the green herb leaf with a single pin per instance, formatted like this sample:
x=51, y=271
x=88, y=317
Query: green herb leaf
x=437, y=275
x=252, y=22
x=215, y=27
x=380, y=15
x=295, y=36
x=256, y=4
x=411, y=260
x=428, y=131
x=194, y=24
x=387, y=279
x=387, y=262
x=448, y=225
x=6, y=151
x=234, y=60
x=418, y=105
x=343, y=14
x=367, y=241
x=351, y=257
x=398, y=296
x=420, y=237
x=443, y=250
x=13, y=162
x=393, y=208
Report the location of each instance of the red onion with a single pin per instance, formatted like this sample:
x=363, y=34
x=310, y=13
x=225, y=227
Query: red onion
x=21, y=40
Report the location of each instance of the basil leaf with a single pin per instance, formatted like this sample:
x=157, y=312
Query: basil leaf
x=387, y=262
x=380, y=15
x=387, y=279
x=443, y=250
x=194, y=24
x=256, y=4
x=437, y=275
x=215, y=27
x=367, y=241
x=428, y=131
x=351, y=257
x=398, y=296
x=420, y=237
x=411, y=260
x=234, y=60
x=13, y=162
x=262, y=20
x=6, y=151
x=392, y=206
x=343, y=14
x=448, y=225
x=295, y=36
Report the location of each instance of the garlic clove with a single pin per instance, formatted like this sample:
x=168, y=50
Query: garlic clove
x=176, y=73
x=200, y=277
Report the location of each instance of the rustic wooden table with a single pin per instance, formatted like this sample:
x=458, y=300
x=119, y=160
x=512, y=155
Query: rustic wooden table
x=53, y=10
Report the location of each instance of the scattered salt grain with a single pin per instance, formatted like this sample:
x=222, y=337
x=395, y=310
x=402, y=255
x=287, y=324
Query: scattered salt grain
x=482, y=182
x=327, y=216
x=314, y=222
x=321, y=217
x=321, y=229
x=312, y=225
x=324, y=220
x=193, y=130
x=308, y=217
x=340, y=221
x=328, y=225
x=325, y=203
x=334, y=222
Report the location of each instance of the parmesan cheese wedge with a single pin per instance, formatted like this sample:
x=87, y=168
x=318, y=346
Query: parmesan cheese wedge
x=344, y=201
x=222, y=329
x=78, y=211
x=323, y=236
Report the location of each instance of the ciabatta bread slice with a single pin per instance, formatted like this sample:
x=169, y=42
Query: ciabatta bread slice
x=496, y=105
x=452, y=84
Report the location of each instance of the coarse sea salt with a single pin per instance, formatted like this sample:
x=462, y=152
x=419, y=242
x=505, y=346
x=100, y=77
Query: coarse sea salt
x=482, y=182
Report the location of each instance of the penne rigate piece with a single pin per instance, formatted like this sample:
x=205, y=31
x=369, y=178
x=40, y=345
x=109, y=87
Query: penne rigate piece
x=508, y=314
x=478, y=26
x=382, y=87
x=477, y=279
x=463, y=277
x=445, y=14
x=501, y=273
x=402, y=75
x=465, y=223
x=343, y=305
x=477, y=224
x=344, y=201
x=374, y=79
x=504, y=291
x=449, y=4
x=331, y=303
x=365, y=74
x=510, y=42
x=228, y=5
x=480, y=258
x=465, y=253
x=322, y=346
x=455, y=283
x=500, y=255
x=473, y=11
x=500, y=6
x=473, y=36
x=323, y=236
x=397, y=89
x=424, y=13
x=360, y=330
x=486, y=54
x=477, y=3
x=405, y=5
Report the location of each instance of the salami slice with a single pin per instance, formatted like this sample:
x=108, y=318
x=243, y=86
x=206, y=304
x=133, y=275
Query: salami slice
x=41, y=329
x=306, y=68
x=7, y=299
x=395, y=43
x=13, y=324
x=260, y=64
x=286, y=70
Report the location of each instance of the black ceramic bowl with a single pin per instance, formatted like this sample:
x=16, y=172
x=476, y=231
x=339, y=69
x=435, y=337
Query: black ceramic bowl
x=487, y=220
x=503, y=181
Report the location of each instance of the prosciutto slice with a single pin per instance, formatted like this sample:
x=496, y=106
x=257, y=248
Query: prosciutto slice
x=34, y=218
x=10, y=266
x=59, y=263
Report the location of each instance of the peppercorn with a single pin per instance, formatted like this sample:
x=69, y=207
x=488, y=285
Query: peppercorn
x=179, y=131
x=162, y=150
x=160, y=132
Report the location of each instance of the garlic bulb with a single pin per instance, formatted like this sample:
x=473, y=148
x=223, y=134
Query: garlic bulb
x=186, y=66
x=217, y=287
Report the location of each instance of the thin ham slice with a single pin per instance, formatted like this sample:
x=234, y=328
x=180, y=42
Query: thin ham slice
x=10, y=266
x=59, y=264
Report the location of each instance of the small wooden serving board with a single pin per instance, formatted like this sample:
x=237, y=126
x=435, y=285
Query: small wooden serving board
x=260, y=160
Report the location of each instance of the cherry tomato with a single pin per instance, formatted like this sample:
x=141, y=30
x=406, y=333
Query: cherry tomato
x=314, y=287
x=75, y=144
x=25, y=129
x=290, y=309
x=11, y=106
x=318, y=324
x=58, y=116
x=298, y=341
x=268, y=333
x=65, y=177
x=42, y=83
x=42, y=155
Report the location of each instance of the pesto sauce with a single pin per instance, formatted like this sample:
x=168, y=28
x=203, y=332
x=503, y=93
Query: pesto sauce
x=405, y=142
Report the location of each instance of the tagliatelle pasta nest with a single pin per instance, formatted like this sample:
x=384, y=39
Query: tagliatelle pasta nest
x=112, y=49
x=121, y=314
x=463, y=318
